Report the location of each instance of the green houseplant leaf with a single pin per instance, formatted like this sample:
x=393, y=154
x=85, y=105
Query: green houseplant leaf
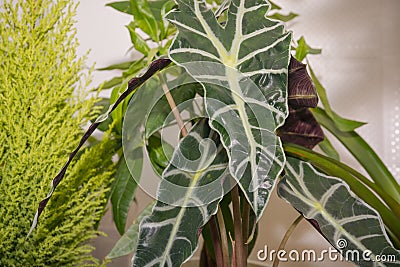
x=127, y=243
x=243, y=69
x=337, y=213
x=192, y=186
x=123, y=191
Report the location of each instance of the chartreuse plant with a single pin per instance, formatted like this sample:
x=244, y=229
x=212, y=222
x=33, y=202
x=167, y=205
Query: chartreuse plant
x=247, y=118
x=43, y=105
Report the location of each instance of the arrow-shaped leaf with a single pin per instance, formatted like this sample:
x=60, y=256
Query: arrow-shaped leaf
x=348, y=223
x=193, y=185
x=243, y=67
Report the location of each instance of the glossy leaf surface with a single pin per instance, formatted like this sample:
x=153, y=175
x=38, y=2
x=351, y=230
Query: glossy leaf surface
x=243, y=67
x=344, y=220
x=193, y=186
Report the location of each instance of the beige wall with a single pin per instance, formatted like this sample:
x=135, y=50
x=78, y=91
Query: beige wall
x=359, y=66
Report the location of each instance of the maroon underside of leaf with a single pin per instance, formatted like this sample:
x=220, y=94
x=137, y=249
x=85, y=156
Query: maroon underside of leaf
x=300, y=127
x=134, y=83
x=301, y=90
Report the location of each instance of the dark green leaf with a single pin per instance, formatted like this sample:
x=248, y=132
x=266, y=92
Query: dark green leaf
x=342, y=218
x=160, y=153
x=245, y=79
x=123, y=191
x=329, y=149
x=127, y=243
x=123, y=6
x=169, y=236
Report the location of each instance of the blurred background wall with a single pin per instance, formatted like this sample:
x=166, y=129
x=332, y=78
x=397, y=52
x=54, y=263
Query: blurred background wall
x=359, y=67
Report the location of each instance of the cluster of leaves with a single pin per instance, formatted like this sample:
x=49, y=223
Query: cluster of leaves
x=238, y=36
x=302, y=128
x=43, y=106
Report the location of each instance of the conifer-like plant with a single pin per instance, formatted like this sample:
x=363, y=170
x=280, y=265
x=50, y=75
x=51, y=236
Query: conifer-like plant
x=43, y=104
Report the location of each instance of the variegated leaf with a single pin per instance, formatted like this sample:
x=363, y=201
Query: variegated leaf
x=193, y=183
x=243, y=67
x=348, y=223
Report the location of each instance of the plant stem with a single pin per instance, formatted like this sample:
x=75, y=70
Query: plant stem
x=245, y=225
x=237, y=220
x=286, y=238
x=172, y=104
x=224, y=237
x=216, y=242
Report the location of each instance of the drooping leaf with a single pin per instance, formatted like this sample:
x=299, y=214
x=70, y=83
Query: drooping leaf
x=193, y=186
x=118, y=66
x=132, y=85
x=303, y=49
x=301, y=128
x=123, y=190
x=127, y=243
x=342, y=123
x=301, y=90
x=364, y=154
x=327, y=147
x=244, y=69
x=343, y=219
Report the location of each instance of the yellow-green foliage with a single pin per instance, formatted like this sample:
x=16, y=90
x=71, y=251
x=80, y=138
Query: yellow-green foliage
x=41, y=109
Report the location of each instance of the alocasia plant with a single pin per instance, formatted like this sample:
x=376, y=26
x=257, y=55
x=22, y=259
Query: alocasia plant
x=233, y=61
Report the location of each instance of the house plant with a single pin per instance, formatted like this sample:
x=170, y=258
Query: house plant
x=44, y=103
x=256, y=151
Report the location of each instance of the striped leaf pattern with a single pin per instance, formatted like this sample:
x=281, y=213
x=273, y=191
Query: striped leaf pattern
x=169, y=236
x=243, y=67
x=348, y=223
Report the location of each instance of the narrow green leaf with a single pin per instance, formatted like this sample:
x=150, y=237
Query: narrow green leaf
x=111, y=83
x=122, y=6
x=192, y=184
x=303, y=49
x=343, y=219
x=244, y=70
x=138, y=42
x=145, y=19
x=127, y=243
x=364, y=154
x=327, y=147
x=119, y=66
x=343, y=124
x=282, y=17
x=123, y=191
